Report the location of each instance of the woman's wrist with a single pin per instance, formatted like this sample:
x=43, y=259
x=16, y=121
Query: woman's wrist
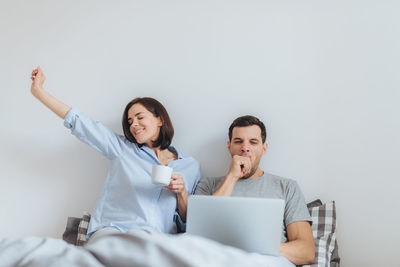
x=37, y=92
x=183, y=195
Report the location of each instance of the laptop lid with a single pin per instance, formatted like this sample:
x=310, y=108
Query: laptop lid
x=251, y=224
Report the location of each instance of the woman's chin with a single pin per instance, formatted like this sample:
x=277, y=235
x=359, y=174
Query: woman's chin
x=140, y=141
x=143, y=141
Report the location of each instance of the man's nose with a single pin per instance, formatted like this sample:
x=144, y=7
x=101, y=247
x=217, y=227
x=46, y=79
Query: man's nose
x=245, y=148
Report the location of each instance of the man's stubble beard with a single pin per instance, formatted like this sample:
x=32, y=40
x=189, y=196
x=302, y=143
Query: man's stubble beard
x=251, y=173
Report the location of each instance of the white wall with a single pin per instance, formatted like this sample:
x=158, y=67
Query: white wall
x=323, y=75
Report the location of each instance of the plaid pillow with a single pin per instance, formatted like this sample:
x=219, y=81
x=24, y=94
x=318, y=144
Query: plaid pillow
x=71, y=230
x=82, y=229
x=324, y=231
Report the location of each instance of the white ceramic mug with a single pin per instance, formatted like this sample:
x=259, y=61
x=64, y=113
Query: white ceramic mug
x=161, y=174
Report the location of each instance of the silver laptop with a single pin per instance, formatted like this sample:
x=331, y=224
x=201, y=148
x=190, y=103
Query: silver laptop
x=251, y=224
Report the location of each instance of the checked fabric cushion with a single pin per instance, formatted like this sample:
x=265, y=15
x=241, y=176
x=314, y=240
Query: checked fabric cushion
x=324, y=231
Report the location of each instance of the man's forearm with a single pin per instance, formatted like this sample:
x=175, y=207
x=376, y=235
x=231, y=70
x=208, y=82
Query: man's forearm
x=226, y=188
x=298, y=252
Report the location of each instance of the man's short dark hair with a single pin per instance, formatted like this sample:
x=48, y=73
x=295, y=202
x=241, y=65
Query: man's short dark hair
x=248, y=120
x=166, y=130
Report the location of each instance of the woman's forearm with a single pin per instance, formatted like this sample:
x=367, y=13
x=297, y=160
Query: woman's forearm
x=43, y=96
x=55, y=105
x=182, y=200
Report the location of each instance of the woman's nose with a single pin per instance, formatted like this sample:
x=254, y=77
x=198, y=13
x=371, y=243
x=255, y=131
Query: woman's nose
x=134, y=123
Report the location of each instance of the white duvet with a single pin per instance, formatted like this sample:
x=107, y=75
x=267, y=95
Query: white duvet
x=138, y=248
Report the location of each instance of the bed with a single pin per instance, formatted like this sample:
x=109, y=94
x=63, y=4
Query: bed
x=150, y=248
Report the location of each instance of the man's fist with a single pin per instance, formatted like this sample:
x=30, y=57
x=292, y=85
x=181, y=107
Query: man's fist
x=240, y=167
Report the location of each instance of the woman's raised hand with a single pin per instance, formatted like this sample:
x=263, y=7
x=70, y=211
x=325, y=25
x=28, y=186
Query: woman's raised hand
x=37, y=78
x=48, y=100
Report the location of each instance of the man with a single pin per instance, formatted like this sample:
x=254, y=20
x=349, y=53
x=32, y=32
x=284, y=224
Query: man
x=247, y=144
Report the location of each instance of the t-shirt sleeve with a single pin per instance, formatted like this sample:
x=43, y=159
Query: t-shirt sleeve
x=204, y=187
x=93, y=133
x=197, y=176
x=296, y=207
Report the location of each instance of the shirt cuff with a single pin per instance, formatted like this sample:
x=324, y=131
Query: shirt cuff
x=69, y=120
x=179, y=223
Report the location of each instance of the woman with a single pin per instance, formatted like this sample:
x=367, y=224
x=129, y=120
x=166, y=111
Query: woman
x=128, y=199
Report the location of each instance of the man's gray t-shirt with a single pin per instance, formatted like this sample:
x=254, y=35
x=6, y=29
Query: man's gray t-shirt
x=266, y=186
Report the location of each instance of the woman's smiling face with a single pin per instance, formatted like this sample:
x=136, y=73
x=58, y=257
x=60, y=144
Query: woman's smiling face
x=144, y=126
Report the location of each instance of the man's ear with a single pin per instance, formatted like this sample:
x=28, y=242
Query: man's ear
x=228, y=145
x=265, y=147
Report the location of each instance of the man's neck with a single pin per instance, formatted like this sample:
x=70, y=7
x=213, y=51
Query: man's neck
x=257, y=174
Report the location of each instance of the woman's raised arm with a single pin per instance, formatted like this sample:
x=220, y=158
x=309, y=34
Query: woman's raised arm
x=47, y=99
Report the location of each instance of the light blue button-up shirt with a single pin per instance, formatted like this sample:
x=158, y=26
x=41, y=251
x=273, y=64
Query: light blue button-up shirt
x=128, y=199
